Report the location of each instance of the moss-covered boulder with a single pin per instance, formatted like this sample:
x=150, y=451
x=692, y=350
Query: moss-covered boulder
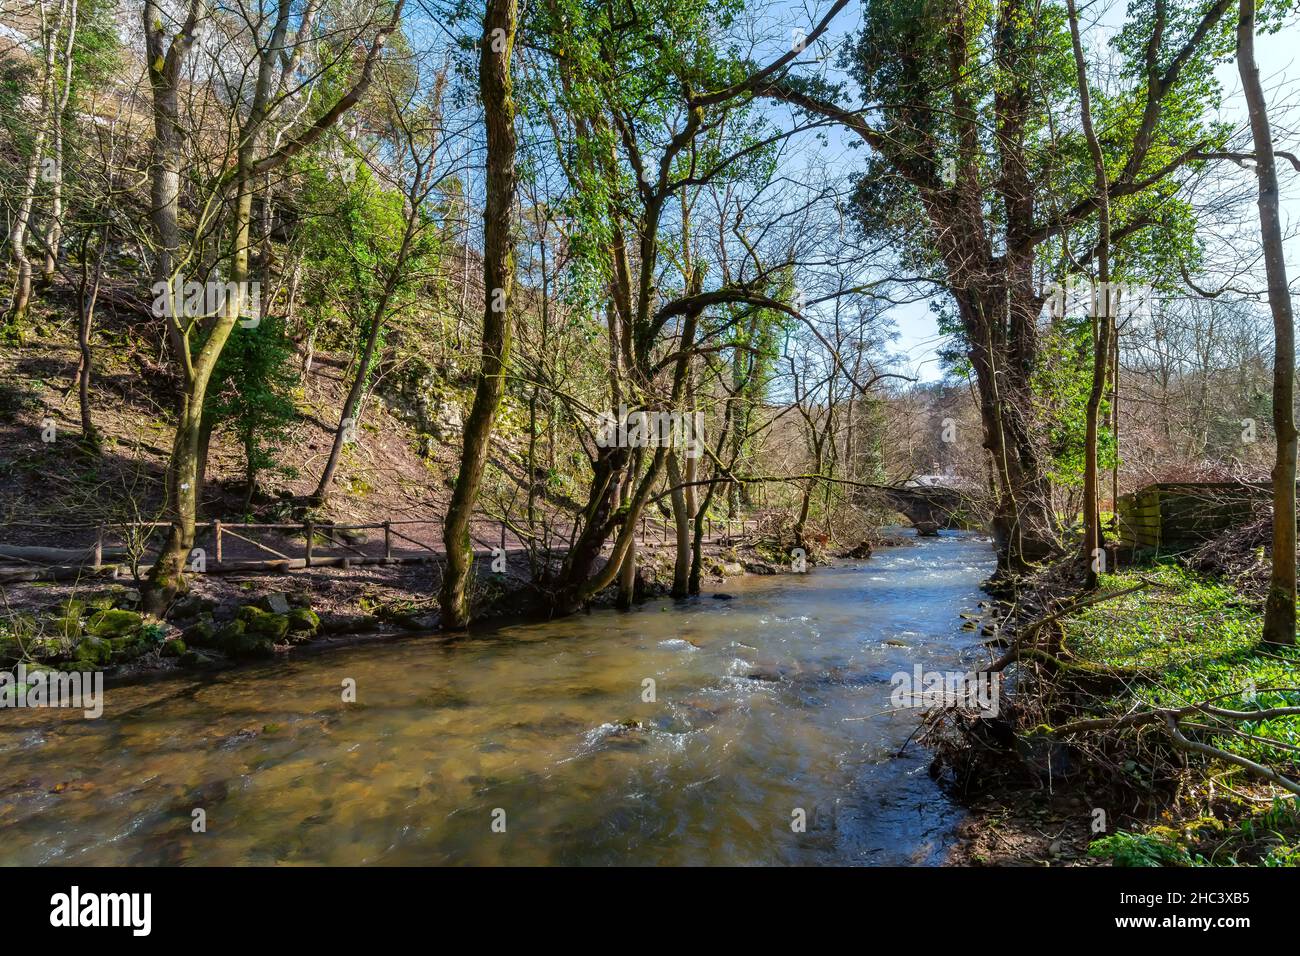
x=303, y=621
x=263, y=623
x=105, y=599
x=128, y=648
x=68, y=627
x=114, y=623
x=71, y=607
x=93, y=652
x=191, y=606
x=202, y=633
x=238, y=640
x=173, y=648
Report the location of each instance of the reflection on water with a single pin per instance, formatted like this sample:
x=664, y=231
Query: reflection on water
x=773, y=701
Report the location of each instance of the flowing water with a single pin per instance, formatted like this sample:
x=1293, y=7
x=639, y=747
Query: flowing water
x=773, y=702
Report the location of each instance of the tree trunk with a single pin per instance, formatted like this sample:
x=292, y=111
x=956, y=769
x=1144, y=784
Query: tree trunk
x=54, y=225
x=1104, y=305
x=682, y=521
x=1279, y=609
x=88, y=295
x=166, y=577
x=499, y=26
x=23, y=216
x=350, y=405
x=627, y=570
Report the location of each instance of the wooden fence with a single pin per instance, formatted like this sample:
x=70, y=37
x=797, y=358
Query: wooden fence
x=216, y=540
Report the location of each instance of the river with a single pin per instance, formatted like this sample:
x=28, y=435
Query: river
x=531, y=744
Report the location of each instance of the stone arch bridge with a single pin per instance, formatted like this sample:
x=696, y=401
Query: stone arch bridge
x=932, y=507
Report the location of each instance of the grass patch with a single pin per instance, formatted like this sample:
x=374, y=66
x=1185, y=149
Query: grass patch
x=1192, y=639
x=1263, y=837
x=1189, y=640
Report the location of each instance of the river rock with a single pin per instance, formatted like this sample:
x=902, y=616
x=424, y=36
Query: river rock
x=303, y=621
x=263, y=623
x=236, y=640
x=276, y=603
x=202, y=633
x=861, y=552
x=93, y=651
x=191, y=606
x=114, y=623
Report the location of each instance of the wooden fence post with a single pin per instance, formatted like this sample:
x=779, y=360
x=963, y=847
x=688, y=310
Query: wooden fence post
x=388, y=541
x=99, y=547
x=309, y=529
x=216, y=534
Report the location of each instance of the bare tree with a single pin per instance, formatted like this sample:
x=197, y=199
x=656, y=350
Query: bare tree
x=500, y=23
x=1279, y=607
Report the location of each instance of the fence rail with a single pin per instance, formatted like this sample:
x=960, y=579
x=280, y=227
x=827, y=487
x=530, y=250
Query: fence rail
x=234, y=545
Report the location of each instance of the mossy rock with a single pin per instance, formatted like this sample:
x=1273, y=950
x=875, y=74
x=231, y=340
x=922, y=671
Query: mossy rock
x=226, y=634
x=128, y=648
x=250, y=645
x=303, y=620
x=202, y=633
x=94, y=651
x=47, y=646
x=263, y=623
x=192, y=606
x=173, y=648
x=108, y=598
x=239, y=641
x=99, y=601
x=68, y=626
x=72, y=607
x=114, y=623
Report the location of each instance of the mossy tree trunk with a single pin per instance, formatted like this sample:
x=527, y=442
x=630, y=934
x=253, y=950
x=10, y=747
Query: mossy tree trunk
x=500, y=23
x=1104, y=305
x=1279, y=608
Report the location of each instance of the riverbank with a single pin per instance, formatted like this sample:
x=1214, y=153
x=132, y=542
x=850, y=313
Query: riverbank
x=1140, y=729
x=252, y=615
